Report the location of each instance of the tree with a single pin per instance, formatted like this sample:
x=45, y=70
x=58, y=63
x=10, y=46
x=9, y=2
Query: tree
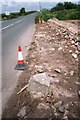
x=69, y=5
x=22, y=11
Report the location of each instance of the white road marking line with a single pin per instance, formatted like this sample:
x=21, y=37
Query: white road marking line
x=18, y=21
x=7, y=27
x=11, y=25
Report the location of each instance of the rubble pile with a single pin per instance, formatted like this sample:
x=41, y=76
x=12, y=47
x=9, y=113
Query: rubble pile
x=54, y=59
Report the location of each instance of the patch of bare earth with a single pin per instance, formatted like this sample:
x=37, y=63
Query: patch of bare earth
x=55, y=56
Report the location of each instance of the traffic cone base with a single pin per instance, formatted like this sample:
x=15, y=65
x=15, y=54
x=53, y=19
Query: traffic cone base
x=21, y=66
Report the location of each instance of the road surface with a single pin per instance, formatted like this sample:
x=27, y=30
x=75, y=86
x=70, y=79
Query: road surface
x=15, y=32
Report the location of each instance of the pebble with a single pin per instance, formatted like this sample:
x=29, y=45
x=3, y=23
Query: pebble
x=66, y=113
x=63, y=108
x=71, y=72
x=58, y=70
x=65, y=118
x=43, y=105
x=57, y=114
x=74, y=55
x=70, y=51
x=78, y=83
x=79, y=93
x=60, y=48
x=22, y=112
x=58, y=104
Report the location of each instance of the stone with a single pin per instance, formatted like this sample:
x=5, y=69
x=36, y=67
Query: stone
x=74, y=55
x=22, y=112
x=78, y=83
x=70, y=51
x=37, y=95
x=56, y=114
x=65, y=118
x=58, y=104
x=79, y=93
x=66, y=113
x=43, y=105
x=63, y=108
x=39, y=68
x=72, y=42
x=71, y=72
x=39, y=83
x=55, y=80
x=52, y=49
x=76, y=51
x=58, y=70
x=60, y=48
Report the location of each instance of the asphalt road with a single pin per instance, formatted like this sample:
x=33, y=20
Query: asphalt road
x=15, y=32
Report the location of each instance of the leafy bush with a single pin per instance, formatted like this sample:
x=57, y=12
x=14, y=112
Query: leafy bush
x=67, y=15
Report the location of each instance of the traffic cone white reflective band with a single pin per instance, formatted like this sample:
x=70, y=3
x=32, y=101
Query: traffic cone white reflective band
x=20, y=56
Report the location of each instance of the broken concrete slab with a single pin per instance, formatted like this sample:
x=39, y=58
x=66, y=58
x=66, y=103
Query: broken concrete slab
x=39, y=83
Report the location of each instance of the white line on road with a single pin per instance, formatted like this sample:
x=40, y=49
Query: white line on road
x=11, y=25
x=7, y=27
x=18, y=21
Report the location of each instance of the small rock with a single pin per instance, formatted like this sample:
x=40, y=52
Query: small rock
x=57, y=34
x=66, y=113
x=55, y=80
x=60, y=48
x=79, y=93
x=58, y=104
x=52, y=49
x=57, y=114
x=66, y=36
x=70, y=88
x=65, y=118
x=53, y=108
x=71, y=72
x=43, y=105
x=70, y=51
x=74, y=55
x=22, y=112
x=72, y=42
x=58, y=70
x=76, y=51
x=52, y=74
x=63, y=108
x=37, y=95
x=78, y=83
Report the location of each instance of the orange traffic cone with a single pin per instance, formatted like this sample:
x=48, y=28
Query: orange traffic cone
x=43, y=21
x=39, y=21
x=21, y=65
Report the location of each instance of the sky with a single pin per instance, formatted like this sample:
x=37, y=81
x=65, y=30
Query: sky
x=15, y=5
x=4, y=1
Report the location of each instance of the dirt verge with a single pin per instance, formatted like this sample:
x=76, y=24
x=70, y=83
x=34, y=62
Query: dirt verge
x=54, y=50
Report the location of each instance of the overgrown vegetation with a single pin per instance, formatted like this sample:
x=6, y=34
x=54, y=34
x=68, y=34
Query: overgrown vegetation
x=44, y=14
x=62, y=11
x=15, y=14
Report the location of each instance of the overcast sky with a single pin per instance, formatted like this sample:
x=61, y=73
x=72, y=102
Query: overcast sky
x=19, y=1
